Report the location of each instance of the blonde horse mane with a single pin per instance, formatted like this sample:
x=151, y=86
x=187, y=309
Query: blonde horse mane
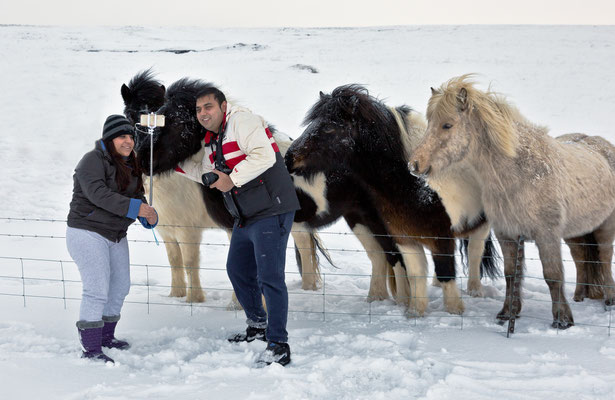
x=495, y=115
x=412, y=127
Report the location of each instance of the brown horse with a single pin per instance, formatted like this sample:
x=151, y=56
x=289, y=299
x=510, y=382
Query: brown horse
x=355, y=149
x=531, y=184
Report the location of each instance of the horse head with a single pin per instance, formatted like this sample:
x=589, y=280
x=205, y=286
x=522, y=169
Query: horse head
x=182, y=135
x=143, y=94
x=341, y=128
x=460, y=117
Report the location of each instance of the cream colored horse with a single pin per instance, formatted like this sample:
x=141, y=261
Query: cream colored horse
x=532, y=185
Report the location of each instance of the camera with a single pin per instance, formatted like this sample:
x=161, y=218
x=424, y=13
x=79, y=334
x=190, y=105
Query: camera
x=209, y=178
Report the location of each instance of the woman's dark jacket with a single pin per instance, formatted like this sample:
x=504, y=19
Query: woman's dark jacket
x=97, y=203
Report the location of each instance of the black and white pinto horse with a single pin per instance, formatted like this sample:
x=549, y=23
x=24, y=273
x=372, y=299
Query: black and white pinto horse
x=352, y=160
x=185, y=207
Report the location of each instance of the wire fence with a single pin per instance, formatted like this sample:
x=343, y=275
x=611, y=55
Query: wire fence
x=31, y=275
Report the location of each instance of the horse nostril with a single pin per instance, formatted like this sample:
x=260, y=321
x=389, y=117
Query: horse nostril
x=414, y=166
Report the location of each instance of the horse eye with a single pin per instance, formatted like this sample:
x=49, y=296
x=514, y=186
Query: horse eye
x=447, y=126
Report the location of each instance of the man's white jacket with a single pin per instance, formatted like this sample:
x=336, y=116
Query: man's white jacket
x=248, y=148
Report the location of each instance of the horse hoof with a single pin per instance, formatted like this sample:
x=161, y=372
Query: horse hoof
x=595, y=293
x=177, y=293
x=562, y=324
x=455, y=306
x=578, y=299
x=309, y=286
x=476, y=292
x=503, y=316
x=411, y=313
x=195, y=297
x=371, y=299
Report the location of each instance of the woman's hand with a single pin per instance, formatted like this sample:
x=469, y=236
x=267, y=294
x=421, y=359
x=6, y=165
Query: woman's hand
x=149, y=213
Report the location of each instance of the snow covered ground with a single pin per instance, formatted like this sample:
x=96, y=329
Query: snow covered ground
x=59, y=84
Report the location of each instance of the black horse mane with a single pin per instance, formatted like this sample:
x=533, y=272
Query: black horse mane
x=376, y=123
x=182, y=93
x=143, y=91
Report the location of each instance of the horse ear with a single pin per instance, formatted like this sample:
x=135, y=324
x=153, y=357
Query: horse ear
x=462, y=99
x=126, y=95
x=163, y=88
x=434, y=91
x=322, y=95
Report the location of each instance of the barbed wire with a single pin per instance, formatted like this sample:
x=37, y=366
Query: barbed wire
x=28, y=282
x=319, y=232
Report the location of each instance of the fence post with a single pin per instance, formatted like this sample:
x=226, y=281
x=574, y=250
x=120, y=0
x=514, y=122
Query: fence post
x=23, y=282
x=324, y=296
x=63, y=284
x=516, y=285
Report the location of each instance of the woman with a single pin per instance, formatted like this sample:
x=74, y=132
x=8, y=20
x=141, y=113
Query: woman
x=107, y=198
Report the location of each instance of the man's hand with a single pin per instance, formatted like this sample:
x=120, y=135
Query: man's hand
x=224, y=182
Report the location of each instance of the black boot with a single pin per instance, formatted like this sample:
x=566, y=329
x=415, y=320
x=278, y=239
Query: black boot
x=90, y=335
x=274, y=353
x=250, y=335
x=108, y=334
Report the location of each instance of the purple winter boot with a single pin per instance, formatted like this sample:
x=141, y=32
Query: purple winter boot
x=108, y=334
x=90, y=335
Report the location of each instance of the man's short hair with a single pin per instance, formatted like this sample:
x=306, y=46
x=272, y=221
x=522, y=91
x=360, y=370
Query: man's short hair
x=206, y=91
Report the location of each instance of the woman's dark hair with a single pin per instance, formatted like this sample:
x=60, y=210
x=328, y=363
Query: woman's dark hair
x=125, y=169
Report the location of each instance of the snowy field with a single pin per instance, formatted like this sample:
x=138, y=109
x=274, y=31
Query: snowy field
x=59, y=84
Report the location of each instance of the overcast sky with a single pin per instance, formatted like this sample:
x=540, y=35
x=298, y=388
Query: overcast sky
x=304, y=13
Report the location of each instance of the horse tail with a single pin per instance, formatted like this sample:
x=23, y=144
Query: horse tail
x=298, y=259
x=463, y=250
x=489, y=265
x=321, y=248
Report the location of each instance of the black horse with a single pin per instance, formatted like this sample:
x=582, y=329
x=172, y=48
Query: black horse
x=186, y=207
x=352, y=160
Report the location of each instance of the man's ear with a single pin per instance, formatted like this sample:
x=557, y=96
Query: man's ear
x=223, y=106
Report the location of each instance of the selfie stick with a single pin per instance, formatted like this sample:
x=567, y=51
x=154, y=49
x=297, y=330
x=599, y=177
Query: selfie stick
x=151, y=124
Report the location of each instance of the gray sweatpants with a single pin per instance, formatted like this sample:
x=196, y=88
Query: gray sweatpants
x=105, y=272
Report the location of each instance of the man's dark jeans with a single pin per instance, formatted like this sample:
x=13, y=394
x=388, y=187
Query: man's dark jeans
x=255, y=265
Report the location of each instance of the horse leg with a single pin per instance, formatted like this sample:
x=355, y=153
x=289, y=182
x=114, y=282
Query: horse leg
x=444, y=263
x=510, y=252
x=310, y=272
x=578, y=251
x=416, y=264
x=476, y=248
x=174, y=254
x=190, y=249
x=550, y=253
x=380, y=266
x=402, y=287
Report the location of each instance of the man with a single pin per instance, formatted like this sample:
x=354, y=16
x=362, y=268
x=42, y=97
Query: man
x=260, y=194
